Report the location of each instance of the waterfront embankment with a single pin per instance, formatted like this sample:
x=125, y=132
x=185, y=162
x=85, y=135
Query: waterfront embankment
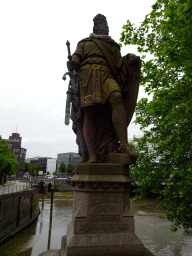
x=17, y=211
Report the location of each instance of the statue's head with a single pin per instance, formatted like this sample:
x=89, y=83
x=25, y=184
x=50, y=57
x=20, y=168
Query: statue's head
x=100, y=25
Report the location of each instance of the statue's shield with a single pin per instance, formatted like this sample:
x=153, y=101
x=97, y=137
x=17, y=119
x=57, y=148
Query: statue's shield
x=130, y=77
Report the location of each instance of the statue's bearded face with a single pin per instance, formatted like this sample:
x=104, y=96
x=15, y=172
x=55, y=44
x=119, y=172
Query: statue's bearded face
x=100, y=28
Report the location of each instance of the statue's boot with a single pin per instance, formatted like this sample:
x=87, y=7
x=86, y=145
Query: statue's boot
x=119, y=119
x=92, y=159
x=127, y=149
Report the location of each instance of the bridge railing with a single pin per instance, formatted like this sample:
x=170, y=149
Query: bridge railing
x=12, y=188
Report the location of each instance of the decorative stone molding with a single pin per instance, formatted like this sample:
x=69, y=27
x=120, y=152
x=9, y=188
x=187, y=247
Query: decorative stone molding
x=93, y=185
x=101, y=186
x=117, y=186
x=81, y=185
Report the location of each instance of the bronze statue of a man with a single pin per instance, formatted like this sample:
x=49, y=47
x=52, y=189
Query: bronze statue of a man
x=107, y=92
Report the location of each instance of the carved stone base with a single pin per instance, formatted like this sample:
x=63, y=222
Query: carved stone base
x=102, y=223
x=113, y=244
x=119, y=158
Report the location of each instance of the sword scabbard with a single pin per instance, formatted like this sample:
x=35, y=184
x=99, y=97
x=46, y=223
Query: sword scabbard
x=68, y=107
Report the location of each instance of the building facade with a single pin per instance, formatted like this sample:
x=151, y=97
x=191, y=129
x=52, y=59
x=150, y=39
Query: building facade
x=71, y=157
x=42, y=161
x=51, y=165
x=14, y=142
x=32, y=158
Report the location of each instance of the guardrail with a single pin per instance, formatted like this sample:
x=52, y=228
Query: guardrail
x=32, y=182
x=28, y=179
x=12, y=188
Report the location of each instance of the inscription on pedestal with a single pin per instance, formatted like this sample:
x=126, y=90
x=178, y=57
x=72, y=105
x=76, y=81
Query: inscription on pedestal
x=104, y=208
x=106, y=218
x=100, y=199
x=104, y=228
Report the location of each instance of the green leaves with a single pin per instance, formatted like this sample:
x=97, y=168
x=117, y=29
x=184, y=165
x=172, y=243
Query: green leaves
x=55, y=173
x=33, y=169
x=164, y=164
x=62, y=167
x=8, y=162
x=70, y=167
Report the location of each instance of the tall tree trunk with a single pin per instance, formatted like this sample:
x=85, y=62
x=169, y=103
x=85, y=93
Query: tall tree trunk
x=1, y=177
x=4, y=178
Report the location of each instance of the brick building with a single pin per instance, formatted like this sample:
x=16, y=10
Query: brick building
x=14, y=142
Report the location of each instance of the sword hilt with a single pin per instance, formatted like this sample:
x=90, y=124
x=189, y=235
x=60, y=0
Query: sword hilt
x=69, y=51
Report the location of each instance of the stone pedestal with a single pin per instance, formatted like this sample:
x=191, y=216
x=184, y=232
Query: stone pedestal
x=102, y=223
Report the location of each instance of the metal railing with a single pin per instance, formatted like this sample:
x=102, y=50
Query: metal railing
x=12, y=188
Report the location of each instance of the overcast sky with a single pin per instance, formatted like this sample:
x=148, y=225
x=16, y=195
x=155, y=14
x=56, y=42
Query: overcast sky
x=33, y=57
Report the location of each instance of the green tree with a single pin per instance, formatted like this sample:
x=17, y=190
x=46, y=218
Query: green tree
x=70, y=167
x=48, y=173
x=62, y=167
x=27, y=167
x=55, y=173
x=37, y=168
x=166, y=120
x=33, y=170
x=8, y=162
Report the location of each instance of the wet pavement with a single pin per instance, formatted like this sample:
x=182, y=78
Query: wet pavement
x=154, y=230
x=151, y=227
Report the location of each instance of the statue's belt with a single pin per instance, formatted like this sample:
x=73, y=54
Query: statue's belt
x=95, y=66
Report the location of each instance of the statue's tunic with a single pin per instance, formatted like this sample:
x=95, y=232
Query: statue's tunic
x=99, y=61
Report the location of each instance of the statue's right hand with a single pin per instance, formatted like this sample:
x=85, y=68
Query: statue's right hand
x=72, y=65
